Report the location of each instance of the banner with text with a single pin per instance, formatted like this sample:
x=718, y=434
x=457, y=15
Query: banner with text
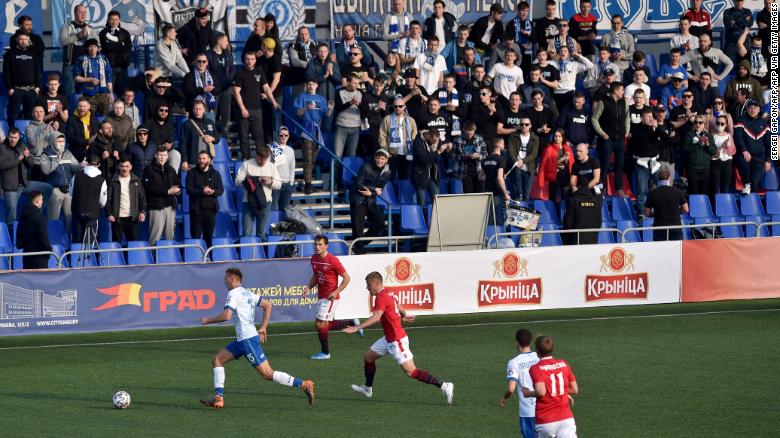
x=519, y=279
x=12, y=10
x=128, y=298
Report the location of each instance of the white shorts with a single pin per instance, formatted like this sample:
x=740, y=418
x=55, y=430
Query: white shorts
x=557, y=429
x=326, y=309
x=399, y=349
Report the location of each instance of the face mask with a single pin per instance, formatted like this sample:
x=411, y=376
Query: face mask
x=721, y=128
x=59, y=147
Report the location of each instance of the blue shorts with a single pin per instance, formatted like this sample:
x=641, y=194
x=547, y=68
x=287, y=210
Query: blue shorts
x=528, y=427
x=248, y=347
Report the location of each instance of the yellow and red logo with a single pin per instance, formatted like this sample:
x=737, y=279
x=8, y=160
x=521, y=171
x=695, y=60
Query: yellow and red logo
x=130, y=294
x=623, y=285
x=412, y=296
x=520, y=291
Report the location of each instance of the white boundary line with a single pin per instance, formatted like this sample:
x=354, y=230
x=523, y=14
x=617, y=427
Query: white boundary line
x=479, y=324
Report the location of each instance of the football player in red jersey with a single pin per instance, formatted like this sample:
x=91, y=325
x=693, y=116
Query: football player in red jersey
x=326, y=272
x=554, y=384
x=389, y=312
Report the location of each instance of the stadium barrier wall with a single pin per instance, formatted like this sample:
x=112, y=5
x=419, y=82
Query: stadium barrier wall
x=167, y=296
x=730, y=269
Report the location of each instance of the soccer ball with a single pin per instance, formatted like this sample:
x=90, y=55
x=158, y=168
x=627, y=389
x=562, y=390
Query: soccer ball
x=121, y=400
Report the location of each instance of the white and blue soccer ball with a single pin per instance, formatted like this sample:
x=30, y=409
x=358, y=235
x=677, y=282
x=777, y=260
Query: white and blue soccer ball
x=121, y=400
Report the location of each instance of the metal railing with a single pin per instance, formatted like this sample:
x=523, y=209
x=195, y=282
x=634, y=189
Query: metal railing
x=25, y=254
x=263, y=244
x=578, y=232
x=668, y=228
x=766, y=225
x=332, y=179
x=110, y=250
x=390, y=240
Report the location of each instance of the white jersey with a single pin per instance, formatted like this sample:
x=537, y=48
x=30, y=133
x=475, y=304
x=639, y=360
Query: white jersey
x=243, y=304
x=506, y=79
x=517, y=370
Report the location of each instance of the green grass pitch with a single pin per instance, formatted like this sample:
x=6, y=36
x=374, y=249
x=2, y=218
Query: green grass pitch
x=694, y=370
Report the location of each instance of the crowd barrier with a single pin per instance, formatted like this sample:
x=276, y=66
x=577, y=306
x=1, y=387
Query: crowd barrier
x=165, y=296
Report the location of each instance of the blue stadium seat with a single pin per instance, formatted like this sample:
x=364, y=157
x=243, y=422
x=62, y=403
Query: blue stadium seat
x=492, y=230
x=337, y=248
x=622, y=209
x=140, y=257
x=750, y=206
x=726, y=206
x=456, y=186
x=6, y=242
x=3, y=213
x=631, y=236
x=4, y=123
x=732, y=231
x=221, y=152
x=57, y=233
x=18, y=261
x=606, y=236
x=194, y=255
x=104, y=230
x=647, y=232
x=606, y=217
x=701, y=210
x=412, y=220
x=113, y=258
x=6, y=262
x=724, y=82
x=271, y=249
x=82, y=260
x=388, y=193
x=406, y=192
x=22, y=124
x=224, y=226
x=59, y=250
x=168, y=255
x=549, y=212
x=686, y=220
x=224, y=171
x=551, y=239
x=223, y=254
x=651, y=65
x=769, y=180
x=306, y=249
x=251, y=252
x=353, y=164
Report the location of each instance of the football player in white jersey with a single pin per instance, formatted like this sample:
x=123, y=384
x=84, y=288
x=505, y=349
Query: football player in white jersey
x=517, y=374
x=240, y=308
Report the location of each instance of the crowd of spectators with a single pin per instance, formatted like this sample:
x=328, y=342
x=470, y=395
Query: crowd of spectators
x=562, y=106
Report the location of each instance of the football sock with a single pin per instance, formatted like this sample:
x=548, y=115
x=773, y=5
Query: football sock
x=426, y=377
x=370, y=370
x=285, y=379
x=219, y=380
x=339, y=325
x=323, y=335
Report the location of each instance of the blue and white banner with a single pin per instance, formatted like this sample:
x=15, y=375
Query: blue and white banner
x=144, y=297
x=289, y=14
x=12, y=10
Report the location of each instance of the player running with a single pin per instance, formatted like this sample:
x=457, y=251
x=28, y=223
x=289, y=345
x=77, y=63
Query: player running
x=554, y=383
x=326, y=272
x=240, y=307
x=389, y=312
x=517, y=373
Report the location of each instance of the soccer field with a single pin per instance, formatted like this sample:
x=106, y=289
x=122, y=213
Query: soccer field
x=658, y=371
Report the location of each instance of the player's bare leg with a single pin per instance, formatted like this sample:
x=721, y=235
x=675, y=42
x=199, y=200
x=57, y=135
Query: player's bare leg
x=218, y=362
x=282, y=378
x=447, y=388
x=369, y=367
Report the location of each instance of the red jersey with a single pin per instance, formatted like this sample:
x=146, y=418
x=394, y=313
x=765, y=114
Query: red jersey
x=327, y=270
x=391, y=318
x=556, y=375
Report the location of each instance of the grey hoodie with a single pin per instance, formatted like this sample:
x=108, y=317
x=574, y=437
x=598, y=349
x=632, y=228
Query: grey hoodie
x=58, y=167
x=39, y=135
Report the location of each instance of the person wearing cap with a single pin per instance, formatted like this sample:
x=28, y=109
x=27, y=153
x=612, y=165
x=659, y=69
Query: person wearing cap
x=619, y=37
x=396, y=134
x=161, y=133
x=73, y=35
x=168, y=56
x=367, y=188
x=22, y=74
x=674, y=66
x=164, y=94
x=743, y=81
x=141, y=151
x=488, y=30
x=599, y=69
x=753, y=141
x=603, y=90
x=344, y=47
x=144, y=84
x=92, y=72
x=196, y=36
x=672, y=94
x=116, y=45
x=415, y=97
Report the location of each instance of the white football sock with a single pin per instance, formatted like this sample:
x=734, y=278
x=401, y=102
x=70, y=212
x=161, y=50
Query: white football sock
x=219, y=377
x=283, y=378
